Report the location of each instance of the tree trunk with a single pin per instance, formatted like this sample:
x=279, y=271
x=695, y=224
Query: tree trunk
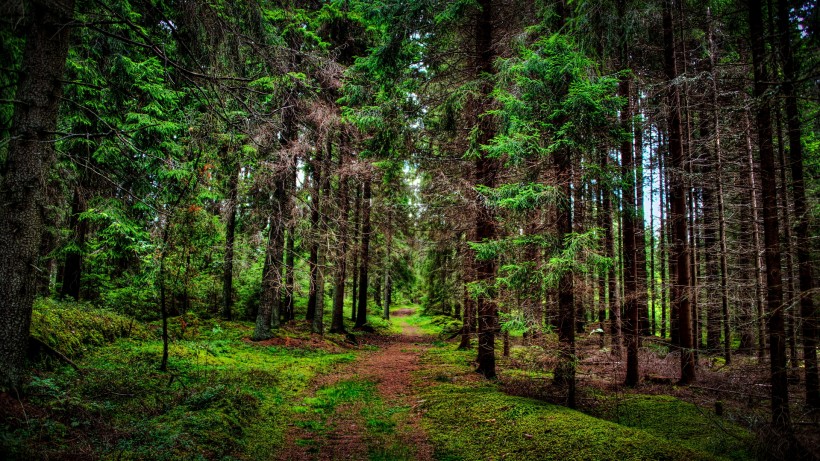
x=315, y=233
x=290, y=247
x=29, y=159
x=388, y=244
x=72, y=269
x=354, y=289
x=631, y=317
x=774, y=282
x=486, y=172
x=361, y=314
x=807, y=310
x=677, y=215
x=337, y=323
x=230, y=231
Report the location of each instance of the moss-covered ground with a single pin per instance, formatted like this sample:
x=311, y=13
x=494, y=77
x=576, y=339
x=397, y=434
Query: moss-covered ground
x=290, y=398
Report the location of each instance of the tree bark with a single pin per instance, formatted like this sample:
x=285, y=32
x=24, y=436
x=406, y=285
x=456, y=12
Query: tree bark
x=361, y=313
x=230, y=231
x=486, y=172
x=774, y=282
x=337, y=324
x=808, y=312
x=677, y=215
x=29, y=159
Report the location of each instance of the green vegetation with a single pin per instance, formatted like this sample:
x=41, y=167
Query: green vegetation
x=473, y=420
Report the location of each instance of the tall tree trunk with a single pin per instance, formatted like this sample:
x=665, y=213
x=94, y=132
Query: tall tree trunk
x=361, y=313
x=315, y=233
x=270, y=302
x=290, y=247
x=662, y=244
x=631, y=317
x=337, y=324
x=230, y=231
x=631, y=321
x=677, y=215
x=774, y=281
x=609, y=243
x=29, y=159
x=388, y=248
x=565, y=369
x=354, y=289
x=486, y=172
x=807, y=310
x=322, y=179
x=724, y=269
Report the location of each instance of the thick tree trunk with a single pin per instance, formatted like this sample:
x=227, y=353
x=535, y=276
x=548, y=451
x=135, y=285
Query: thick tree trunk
x=677, y=216
x=361, y=313
x=486, y=172
x=29, y=159
x=808, y=312
x=774, y=282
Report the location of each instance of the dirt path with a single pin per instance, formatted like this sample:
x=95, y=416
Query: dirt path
x=347, y=433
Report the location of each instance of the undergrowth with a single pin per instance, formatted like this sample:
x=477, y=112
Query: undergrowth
x=222, y=398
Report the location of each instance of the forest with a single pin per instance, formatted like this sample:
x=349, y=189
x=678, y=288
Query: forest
x=409, y=229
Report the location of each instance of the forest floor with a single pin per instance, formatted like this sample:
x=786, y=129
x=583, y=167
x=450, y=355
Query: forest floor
x=366, y=426
x=403, y=393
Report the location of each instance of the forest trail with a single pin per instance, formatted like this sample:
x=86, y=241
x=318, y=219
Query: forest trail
x=366, y=410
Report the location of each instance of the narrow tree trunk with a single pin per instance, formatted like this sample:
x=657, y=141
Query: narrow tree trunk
x=72, y=269
x=724, y=269
x=290, y=249
x=631, y=319
x=677, y=215
x=808, y=312
x=29, y=158
x=774, y=282
x=315, y=232
x=388, y=248
x=230, y=232
x=337, y=324
x=361, y=313
x=354, y=289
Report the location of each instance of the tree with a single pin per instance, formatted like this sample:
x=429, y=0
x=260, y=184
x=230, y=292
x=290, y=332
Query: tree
x=771, y=237
x=677, y=214
x=28, y=162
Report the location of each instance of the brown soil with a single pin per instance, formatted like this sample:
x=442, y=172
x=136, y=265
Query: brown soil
x=390, y=367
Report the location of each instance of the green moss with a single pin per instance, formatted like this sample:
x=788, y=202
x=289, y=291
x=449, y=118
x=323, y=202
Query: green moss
x=76, y=328
x=469, y=419
x=221, y=398
x=687, y=424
